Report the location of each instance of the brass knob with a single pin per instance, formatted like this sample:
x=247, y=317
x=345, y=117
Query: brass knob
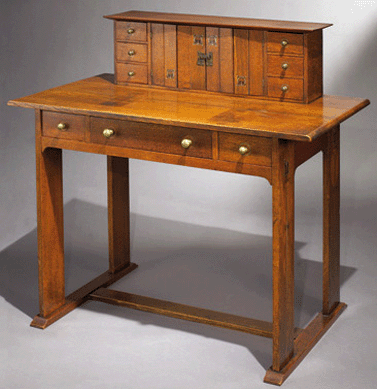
x=131, y=73
x=284, y=42
x=186, y=143
x=130, y=30
x=284, y=88
x=285, y=66
x=243, y=149
x=62, y=126
x=108, y=132
x=131, y=53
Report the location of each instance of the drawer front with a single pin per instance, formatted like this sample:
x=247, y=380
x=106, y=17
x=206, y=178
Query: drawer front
x=276, y=43
x=131, y=31
x=285, y=88
x=255, y=150
x=65, y=126
x=285, y=66
x=130, y=72
x=152, y=137
x=131, y=52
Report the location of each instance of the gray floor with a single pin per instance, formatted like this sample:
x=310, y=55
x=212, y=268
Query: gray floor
x=101, y=346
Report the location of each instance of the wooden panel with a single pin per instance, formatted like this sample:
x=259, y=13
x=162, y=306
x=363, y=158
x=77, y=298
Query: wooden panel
x=118, y=213
x=226, y=60
x=99, y=95
x=295, y=88
x=75, y=125
x=190, y=41
x=218, y=21
x=283, y=251
x=259, y=149
x=131, y=52
x=157, y=54
x=140, y=73
x=295, y=43
x=166, y=139
x=185, y=312
x=256, y=68
x=314, y=66
x=331, y=222
x=241, y=61
x=275, y=66
x=139, y=34
x=170, y=46
x=213, y=46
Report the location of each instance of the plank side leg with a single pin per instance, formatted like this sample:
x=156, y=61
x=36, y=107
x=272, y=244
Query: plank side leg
x=331, y=222
x=118, y=213
x=283, y=252
x=50, y=227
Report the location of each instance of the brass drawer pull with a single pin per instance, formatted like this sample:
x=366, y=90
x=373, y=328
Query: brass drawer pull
x=285, y=66
x=131, y=53
x=284, y=88
x=186, y=143
x=131, y=31
x=108, y=132
x=284, y=42
x=131, y=73
x=62, y=126
x=243, y=149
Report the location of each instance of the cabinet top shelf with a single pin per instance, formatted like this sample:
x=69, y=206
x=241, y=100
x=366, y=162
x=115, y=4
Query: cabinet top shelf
x=218, y=21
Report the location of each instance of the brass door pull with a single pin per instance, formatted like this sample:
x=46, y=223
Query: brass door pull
x=108, y=132
x=186, y=143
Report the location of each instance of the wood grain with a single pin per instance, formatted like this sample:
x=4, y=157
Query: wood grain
x=295, y=43
x=256, y=58
x=100, y=96
x=218, y=21
x=241, y=62
x=75, y=125
x=226, y=60
x=139, y=35
x=170, y=48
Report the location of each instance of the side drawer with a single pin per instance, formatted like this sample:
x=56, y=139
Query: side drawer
x=152, y=137
x=285, y=43
x=285, y=66
x=131, y=31
x=131, y=72
x=63, y=125
x=131, y=52
x=255, y=150
x=286, y=88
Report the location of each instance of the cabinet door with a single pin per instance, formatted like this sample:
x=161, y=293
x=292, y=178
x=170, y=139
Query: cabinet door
x=191, y=41
x=163, y=55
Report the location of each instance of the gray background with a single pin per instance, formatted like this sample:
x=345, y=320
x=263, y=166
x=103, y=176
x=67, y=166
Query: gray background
x=200, y=237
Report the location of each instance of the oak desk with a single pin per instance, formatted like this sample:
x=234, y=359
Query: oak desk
x=228, y=133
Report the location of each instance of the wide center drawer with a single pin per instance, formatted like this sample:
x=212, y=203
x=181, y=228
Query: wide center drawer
x=151, y=137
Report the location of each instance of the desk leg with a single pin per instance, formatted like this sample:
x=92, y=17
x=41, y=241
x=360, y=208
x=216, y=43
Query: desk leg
x=283, y=252
x=118, y=213
x=50, y=227
x=331, y=222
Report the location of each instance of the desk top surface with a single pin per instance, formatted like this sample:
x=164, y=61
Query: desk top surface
x=100, y=96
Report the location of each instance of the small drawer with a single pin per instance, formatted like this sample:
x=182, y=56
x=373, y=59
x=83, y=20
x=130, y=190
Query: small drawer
x=285, y=66
x=286, y=88
x=62, y=125
x=152, y=137
x=255, y=150
x=130, y=72
x=131, y=31
x=131, y=52
x=285, y=43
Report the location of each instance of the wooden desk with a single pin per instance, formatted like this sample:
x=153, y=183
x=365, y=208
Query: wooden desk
x=228, y=133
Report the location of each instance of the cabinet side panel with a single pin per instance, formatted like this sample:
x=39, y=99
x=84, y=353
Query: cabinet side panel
x=256, y=71
x=213, y=71
x=157, y=54
x=226, y=60
x=241, y=61
x=170, y=38
x=313, y=66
